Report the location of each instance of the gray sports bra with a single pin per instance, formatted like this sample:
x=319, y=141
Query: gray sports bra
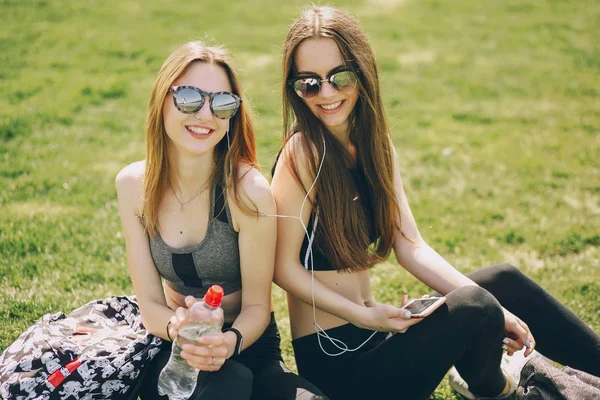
x=193, y=269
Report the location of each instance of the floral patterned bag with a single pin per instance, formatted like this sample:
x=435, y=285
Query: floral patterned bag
x=96, y=352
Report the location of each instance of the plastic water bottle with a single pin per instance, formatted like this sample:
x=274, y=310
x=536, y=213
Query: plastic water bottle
x=178, y=379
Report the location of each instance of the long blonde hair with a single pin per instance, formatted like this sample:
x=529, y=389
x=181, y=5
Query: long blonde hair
x=344, y=244
x=226, y=167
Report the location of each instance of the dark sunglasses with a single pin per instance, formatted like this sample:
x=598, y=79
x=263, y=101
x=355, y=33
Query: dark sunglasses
x=190, y=99
x=310, y=86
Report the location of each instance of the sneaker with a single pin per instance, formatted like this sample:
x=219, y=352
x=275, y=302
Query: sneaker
x=458, y=384
x=511, y=367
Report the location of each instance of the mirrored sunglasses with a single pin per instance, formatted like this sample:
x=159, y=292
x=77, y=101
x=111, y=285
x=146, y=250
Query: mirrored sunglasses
x=310, y=86
x=190, y=99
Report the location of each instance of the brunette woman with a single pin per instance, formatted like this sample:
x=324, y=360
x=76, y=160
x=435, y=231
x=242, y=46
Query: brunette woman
x=338, y=173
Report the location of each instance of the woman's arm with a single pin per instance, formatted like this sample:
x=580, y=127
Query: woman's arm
x=418, y=258
x=257, y=239
x=144, y=276
x=291, y=276
x=415, y=255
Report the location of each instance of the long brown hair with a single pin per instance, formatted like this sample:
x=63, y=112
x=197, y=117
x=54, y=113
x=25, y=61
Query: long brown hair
x=241, y=132
x=344, y=243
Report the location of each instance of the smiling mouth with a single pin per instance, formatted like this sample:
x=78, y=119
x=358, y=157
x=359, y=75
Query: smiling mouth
x=332, y=106
x=199, y=131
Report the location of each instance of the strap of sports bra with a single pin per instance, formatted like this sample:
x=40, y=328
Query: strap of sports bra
x=219, y=211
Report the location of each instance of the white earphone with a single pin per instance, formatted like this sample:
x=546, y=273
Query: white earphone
x=227, y=133
x=309, y=257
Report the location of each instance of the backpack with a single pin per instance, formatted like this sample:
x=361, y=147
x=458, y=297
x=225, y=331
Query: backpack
x=540, y=380
x=98, y=351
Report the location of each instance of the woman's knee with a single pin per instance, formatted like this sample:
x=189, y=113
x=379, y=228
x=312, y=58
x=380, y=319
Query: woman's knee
x=507, y=273
x=506, y=282
x=509, y=277
x=240, y=374
x=476, y=306
x=233, y=381
x=240, y=371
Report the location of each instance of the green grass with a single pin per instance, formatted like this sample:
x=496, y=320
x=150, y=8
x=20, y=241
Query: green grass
x=493, y=106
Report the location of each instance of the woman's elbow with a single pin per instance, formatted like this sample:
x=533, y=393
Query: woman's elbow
x=282, y=277
x=279, y=279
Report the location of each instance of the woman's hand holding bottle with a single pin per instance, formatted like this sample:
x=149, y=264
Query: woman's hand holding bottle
x=207, y=352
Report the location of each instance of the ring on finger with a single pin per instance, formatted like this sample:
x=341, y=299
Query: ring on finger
x=213, y=361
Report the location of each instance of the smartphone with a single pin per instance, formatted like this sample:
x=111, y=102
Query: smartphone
x=420, y=308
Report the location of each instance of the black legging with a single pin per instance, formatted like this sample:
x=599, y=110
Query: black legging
x=467, y=332
x=258, y=373
x=235, y=381
x=232, y=381
x=559, y=333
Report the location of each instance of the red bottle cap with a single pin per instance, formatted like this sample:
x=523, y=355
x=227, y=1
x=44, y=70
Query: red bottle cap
x=213, y=296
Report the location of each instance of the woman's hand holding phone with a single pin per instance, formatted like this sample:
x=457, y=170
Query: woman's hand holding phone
x=420, y=308
x=385, y=318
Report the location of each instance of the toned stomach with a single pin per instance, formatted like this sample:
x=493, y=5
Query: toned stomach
x=231, y=304
x=353, y=286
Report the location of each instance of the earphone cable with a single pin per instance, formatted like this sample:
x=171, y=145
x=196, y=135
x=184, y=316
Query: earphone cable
x=308, y=259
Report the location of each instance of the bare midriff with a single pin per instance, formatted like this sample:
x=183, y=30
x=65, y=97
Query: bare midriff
x=353, y=286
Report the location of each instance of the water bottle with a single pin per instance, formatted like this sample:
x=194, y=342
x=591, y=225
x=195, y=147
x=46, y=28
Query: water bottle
x=178, y=379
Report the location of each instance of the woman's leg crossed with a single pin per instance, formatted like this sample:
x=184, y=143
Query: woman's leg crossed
x=559, y=333
x=467, y=332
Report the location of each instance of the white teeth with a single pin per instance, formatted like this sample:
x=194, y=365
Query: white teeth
x=331, y=106
x=199, y=131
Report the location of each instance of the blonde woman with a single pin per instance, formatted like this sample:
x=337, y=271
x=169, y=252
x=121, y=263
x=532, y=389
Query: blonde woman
x=191, y=214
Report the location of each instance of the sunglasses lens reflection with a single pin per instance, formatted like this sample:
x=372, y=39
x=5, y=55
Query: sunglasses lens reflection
x=224, y=105
x=307, y=87
x=188, y=100
x=343, y=80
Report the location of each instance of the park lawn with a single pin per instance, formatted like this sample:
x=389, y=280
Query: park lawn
x=494, y=108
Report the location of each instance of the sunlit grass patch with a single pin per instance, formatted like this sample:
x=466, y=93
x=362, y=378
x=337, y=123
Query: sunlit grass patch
x=493, y=108
x=35, y=208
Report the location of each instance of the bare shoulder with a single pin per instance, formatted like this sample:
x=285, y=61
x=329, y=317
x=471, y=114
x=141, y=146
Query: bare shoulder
x=295, y=153
x=253, y=185
x=131, y=174
x=130, y=181
x=294, y=148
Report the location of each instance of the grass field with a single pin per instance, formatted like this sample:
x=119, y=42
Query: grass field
x=494, y=108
